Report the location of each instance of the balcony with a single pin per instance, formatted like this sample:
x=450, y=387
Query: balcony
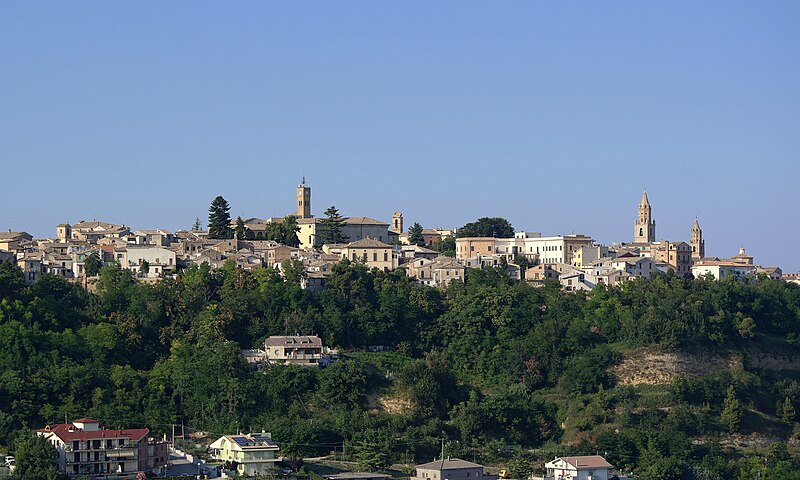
x=122, y=452
x=302, y=356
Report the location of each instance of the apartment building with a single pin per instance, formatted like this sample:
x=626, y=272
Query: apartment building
x=87, y=449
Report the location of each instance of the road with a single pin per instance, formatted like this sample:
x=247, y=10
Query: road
x=182, y=466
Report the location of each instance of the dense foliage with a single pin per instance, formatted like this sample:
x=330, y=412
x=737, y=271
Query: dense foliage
x=489, y=362
x=487, y=227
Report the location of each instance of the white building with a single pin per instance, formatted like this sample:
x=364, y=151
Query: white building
x=635, y=267
x=306, y=350
x=159, y=259
x=721, y=269
x=589, y=467
x=587, y=255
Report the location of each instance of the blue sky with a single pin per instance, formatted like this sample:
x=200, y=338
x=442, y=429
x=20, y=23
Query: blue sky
x=554, y=115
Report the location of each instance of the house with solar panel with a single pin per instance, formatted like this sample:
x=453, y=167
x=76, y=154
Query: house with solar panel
x=247, y=454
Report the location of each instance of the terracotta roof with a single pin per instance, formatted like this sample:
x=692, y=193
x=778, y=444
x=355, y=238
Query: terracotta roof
x=588, y=461
x=418, y=249
x=721, y=263
x=14, y=235
x=367, y=243
x=86, y=420
x=363, y=221
x=447, y=262
x=448, y=464
x=63, y=432
x=293, y=341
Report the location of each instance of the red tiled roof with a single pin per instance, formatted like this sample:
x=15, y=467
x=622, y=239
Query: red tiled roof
x=63, y=432
x=587, y=461
x=86, y=420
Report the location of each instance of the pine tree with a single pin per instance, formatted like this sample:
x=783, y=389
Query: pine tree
x=331, y=231
x=415, y=236
x=787, y=412
x=196, y=226
x=219, y=219
x=731, y=414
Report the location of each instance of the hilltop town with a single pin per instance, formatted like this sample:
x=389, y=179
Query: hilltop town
x=431, y=256
x=349, y=348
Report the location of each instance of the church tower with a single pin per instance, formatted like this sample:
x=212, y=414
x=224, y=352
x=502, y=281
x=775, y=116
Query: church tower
x=63, y=232
x=397, y=222
x=303, y=200
x=697, y=243
x=645, y=229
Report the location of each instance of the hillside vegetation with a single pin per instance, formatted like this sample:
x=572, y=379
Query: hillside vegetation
x=668, y=377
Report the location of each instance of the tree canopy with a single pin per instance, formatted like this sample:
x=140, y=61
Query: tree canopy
x=487, y=227
x=490, y=361
x=330, y=228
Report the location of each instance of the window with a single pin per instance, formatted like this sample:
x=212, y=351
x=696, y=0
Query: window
x=374, y=256
x=385, y=257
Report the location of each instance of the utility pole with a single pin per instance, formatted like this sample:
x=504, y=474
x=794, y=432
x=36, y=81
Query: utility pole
x=442, y=457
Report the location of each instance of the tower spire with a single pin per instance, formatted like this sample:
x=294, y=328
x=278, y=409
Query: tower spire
x=696, y=241
x=645, y=200
x=644, y=227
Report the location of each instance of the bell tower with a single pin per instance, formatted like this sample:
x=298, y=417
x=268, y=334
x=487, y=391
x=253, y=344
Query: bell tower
x=397, y=222
x=697, y=243
x=303, y=200
x=644, y=230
